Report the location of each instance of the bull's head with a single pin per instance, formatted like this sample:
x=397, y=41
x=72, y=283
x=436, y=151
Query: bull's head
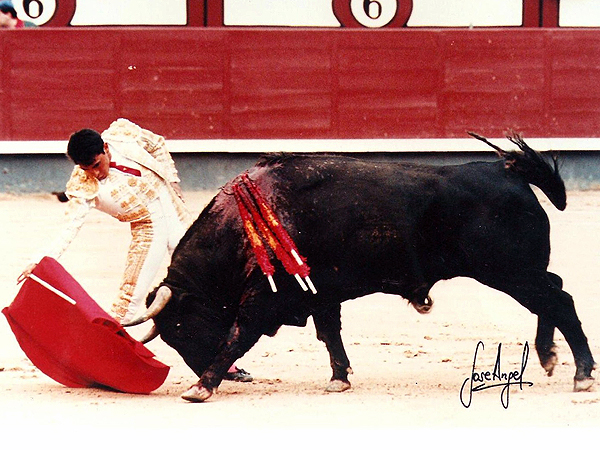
x=185, y=324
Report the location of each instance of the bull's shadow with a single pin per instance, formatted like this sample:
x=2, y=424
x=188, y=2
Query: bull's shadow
x=361, y=227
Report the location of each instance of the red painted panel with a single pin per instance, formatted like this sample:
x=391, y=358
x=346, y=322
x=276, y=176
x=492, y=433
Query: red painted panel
x=173, y=85
x=198, y=83
x=493, y=81
x=280, y=84
x=550, y=11
x=532, y=13
x=58, y=82
x=4, y=91
x=574, y=93
x=388, y=84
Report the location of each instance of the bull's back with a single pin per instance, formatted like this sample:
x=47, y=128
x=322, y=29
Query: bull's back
x=390, y=217
x=345, y=196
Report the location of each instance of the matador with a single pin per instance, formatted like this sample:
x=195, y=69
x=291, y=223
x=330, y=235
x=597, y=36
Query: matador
x=128, y=173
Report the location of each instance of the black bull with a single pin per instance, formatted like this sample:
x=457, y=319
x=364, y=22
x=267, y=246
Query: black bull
x=366, y=227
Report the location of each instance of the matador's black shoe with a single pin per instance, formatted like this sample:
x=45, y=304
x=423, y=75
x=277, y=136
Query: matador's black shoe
x=239, y=375
x=61, y=196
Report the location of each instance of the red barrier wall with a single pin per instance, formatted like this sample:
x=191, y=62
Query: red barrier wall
x=205, y=83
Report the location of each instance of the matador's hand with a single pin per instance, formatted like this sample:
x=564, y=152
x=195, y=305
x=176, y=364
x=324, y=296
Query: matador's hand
x=26, y=272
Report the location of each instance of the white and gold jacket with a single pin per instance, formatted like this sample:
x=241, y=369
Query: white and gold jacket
x=128, y=195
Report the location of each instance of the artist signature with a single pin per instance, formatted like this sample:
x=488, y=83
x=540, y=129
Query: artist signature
x=478, y=381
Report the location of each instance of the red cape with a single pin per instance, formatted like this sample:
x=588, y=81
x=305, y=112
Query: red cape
x=78, y=345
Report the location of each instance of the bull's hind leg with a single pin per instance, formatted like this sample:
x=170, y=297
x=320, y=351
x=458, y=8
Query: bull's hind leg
x=328, y=325
x=544, y=345
x=544, y=339
x=420, y=299
x=538, y=292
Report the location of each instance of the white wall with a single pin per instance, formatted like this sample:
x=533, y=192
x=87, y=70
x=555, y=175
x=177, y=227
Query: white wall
x=312, y=13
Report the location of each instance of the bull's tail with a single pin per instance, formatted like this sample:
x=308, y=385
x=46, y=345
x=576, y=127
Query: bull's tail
x=533, y=168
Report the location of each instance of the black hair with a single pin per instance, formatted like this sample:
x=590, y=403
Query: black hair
x=9, y=9
x=84, y=146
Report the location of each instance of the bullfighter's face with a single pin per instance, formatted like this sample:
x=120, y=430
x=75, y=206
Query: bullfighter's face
x=100, y=166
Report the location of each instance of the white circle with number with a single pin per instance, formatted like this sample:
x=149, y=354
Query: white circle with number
x=36, y=11
x=374, y=13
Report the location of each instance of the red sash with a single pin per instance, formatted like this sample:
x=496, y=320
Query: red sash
x=125, y=169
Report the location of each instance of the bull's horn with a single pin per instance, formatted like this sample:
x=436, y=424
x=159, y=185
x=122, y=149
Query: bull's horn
x=163, y=295
x=150, y=335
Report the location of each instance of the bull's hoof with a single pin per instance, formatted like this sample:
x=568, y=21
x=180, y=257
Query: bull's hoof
x=197, y=394
x=338, y=386
x=550, y=363
x=425, y=306
x=583, y=385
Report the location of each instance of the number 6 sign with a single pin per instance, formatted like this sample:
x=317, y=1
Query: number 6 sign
x=46, y=12
x=372, y=13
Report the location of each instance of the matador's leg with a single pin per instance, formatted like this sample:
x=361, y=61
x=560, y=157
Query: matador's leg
x=146, y=254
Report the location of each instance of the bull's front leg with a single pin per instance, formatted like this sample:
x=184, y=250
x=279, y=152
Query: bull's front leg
x=328, y=325
x=237, y=345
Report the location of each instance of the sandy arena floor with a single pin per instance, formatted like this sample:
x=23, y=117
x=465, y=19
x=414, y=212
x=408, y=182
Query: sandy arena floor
x=408, y=368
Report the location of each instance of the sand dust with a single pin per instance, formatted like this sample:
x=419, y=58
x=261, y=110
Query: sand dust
x=408, y=368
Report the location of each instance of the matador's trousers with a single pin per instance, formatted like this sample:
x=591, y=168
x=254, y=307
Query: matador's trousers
x=151, y=241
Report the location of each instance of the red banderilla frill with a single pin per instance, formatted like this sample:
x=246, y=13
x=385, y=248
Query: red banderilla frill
x=255, y=241
x=272, y=232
